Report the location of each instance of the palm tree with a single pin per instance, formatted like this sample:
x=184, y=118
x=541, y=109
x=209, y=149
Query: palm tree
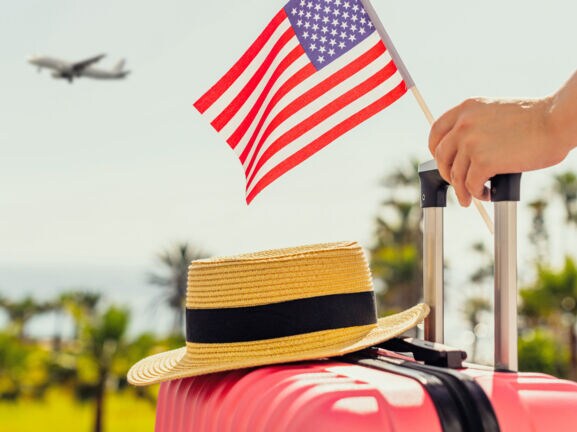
x=566, y=187
x=81, y=306
x=175, y=261
x=22, y=311
x=538, y=236
x=396, y=257
x=552, y=302
x=104, y=344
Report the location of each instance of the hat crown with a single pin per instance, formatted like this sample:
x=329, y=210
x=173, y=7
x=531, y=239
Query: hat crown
x=278, y=276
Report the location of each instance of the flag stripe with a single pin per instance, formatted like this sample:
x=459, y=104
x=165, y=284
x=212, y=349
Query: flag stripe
x=327, y=138
x=306, y=72
x=287, y=67
x=324, y=127
x=321, y=115
x=300, y=86
x=275, y=55
x=217, y=90
x=309, y=95
x=243, y=75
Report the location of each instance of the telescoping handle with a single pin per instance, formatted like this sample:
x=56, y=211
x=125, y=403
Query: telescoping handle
x=505, y=193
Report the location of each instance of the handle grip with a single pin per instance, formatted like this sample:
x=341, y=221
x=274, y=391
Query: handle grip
x=505, y=193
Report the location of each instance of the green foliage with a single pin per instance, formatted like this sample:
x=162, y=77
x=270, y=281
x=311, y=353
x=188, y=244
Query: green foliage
x=540, y=351
x=24, y=368
x=396, y=255
x=173, y=281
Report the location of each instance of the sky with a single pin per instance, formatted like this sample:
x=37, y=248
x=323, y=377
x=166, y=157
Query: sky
x=107, y=174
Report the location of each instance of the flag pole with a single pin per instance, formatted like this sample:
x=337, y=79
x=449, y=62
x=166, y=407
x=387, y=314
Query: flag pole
x=411, y=85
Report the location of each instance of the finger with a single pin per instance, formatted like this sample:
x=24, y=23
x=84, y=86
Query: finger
x=475, y=183
x=458, y=177
x=442, y=127
x=445, y=155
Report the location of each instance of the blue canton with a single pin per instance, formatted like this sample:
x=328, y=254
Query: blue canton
x=327, y=29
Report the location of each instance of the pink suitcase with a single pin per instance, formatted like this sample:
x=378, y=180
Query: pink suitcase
x=402, y=385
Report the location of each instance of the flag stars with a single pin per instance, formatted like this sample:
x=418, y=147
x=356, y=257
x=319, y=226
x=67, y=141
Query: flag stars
x=329, y=27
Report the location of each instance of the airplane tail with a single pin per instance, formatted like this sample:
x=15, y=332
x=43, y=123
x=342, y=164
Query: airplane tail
x=119, y=66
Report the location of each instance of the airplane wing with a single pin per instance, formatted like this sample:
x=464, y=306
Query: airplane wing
x=78, y=67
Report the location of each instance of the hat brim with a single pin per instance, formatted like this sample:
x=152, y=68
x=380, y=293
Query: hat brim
x=200, y=359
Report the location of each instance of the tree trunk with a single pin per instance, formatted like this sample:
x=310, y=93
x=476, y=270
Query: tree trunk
x=100, y=392
x=573, y=353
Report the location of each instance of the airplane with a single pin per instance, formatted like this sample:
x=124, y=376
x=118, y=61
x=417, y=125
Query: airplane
x=68, y=70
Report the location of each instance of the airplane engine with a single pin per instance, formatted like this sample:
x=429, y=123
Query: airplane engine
x=57, y=74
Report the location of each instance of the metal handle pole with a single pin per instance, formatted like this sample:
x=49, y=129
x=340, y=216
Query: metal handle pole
x=433, y=272
x=506, y=285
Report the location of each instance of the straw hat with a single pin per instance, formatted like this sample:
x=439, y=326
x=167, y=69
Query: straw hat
x=273, y=307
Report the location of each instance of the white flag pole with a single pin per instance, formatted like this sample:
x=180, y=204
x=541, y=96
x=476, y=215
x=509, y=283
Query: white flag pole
x=411, y=85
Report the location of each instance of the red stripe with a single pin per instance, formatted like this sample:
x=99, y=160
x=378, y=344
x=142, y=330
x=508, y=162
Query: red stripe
x=217, y=90
x=317, y=91
x=232, y=108
x=318, y=117
x=296, y=53
x=327, y=138
x=303, y=74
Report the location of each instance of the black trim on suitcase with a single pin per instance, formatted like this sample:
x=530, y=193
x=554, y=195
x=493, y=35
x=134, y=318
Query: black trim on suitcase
x=461, y=404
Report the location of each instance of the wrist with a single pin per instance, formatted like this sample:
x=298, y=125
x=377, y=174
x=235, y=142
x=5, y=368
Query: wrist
x=559, y=129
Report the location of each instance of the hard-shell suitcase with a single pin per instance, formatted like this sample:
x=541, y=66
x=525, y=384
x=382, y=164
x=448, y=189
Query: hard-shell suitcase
x=401, y=385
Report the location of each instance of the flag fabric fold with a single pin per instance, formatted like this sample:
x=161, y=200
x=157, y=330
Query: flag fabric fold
x=317, y=70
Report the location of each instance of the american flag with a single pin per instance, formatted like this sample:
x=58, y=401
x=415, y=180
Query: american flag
x=317, y=70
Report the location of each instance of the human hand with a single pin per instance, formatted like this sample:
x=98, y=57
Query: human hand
x=480, y=138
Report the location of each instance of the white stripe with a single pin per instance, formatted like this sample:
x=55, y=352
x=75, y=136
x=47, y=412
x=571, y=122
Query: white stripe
x=249, y=102
x=327, y=125
x=323, y=101
x=298, y=64
x=314, y=80
x=222, y=102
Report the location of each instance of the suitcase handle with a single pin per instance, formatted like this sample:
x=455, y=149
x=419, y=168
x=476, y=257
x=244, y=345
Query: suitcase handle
x=505, y=193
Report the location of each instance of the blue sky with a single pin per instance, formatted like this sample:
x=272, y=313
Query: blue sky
x=103, y=173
